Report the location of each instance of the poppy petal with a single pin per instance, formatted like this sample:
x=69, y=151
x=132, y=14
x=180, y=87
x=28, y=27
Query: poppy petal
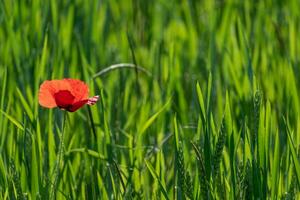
x=64, y=99
x=77, y=105
x=78, y=89
x=68, y=94
x=46, y=98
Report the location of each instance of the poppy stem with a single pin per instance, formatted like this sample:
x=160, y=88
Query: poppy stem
x=92, y=122
x=59, y=159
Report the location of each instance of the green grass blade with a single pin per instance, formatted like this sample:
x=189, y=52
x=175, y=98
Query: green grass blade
x=201, y=103
x=34, y=170
x=156, y=177
x=293, y=152
x=208, y=97
x=26, y=106
x=13, y=120
x=148, y=123
x=275, y=167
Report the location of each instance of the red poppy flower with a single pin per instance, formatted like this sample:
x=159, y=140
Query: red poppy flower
x=67, y=94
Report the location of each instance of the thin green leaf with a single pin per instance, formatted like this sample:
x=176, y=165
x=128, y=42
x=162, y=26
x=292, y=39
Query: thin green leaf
x=201, y=103
x=155, y=176
x=149, y=122
x=293, y=151
x=26, y=106
x=13, y=120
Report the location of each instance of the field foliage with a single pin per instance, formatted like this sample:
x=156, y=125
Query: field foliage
x=211, y=111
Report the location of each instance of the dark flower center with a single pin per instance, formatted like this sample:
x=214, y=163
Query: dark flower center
x=64, y=99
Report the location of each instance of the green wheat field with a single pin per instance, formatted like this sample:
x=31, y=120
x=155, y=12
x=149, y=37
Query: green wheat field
x=198, y=99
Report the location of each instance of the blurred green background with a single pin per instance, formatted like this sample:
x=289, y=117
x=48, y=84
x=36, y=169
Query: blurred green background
x=216, y=116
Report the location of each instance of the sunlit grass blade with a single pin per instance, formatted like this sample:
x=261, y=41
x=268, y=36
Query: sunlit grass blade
x=201, y=103
x=3, y=172
x=293, y=152
x=154, y=117
x=275, y=165
x=102, y=186
x=155, y=176
x=3, y=90
x=13, y=120
x=120, y=66
x=25, y=105
x=208, y=97
x=34, y=169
